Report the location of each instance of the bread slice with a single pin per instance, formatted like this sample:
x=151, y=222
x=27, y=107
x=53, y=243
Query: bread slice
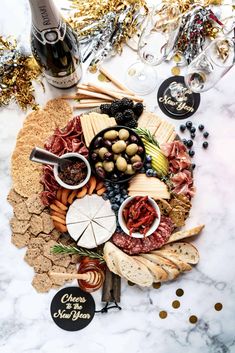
x=158, y=273
x=167, y=265
x=185, y=251
x=127, y=267
x=185, y=234
x=182, y=265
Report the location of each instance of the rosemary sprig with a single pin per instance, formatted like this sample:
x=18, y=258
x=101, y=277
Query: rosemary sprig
x=65, y=249
x=146, y=134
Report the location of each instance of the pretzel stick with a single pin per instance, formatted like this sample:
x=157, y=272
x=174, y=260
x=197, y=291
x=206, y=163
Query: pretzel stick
x=94, y=100
x=94, y=94
x=114, y=81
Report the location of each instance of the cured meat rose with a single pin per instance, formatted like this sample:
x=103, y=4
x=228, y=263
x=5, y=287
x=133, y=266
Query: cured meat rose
x=183, y=183
x=134, y=246
x=68, y=139
x=177, y=155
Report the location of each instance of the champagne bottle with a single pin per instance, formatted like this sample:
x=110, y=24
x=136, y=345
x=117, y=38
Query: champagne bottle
x=54, y=45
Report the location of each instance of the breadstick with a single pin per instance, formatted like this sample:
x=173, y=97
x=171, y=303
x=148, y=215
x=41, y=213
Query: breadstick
x=86, y=105
x=104, y=90
x=114, y=81
x=95, y=94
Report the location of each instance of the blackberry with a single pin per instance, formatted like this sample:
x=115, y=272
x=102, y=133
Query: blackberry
x=129, y=115
x=126, y=103
x=138, y=109
x=105, y=108
x=119, y=118
x=131, y=123
x=115, y=107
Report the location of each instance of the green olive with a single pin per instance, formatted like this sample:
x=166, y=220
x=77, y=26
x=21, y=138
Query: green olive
x=121, y=164
x=129, y=170
x=115, y=156
x=136, y=158
x=123, y=134
x=132, y=149
x=99, y=164
x=108, y=166
x=119, y=146
x=102, y=152
x=110, y=135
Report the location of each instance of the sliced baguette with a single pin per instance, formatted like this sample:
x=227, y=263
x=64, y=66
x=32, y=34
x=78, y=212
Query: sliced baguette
x=167, y=265
x=185, y=233
x=158, y=273
x=123, y=264
x=182, y=265
x=186, y=251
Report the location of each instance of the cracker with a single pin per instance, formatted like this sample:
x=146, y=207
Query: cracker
x=36, y=225
x=36, y=243
x=44, y=236
x=75, y=258
x=63, y=261
x=19, y=226
x=33, y=130
x=47, y=251
x=34, y=204
x=57, y=280
x=55, y=235
x=178, y=218
x=42, y=282
x=72, y=268
x=33, y=141
x=13, y=197
x=20, y=240
x=30, y=255
x=21, y=212
x=42, y=117
x=60, y=111
x=47, y=222
x=42, y=264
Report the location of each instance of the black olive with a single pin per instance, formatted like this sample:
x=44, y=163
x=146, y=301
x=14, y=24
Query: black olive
x=94, y=156
x=107, y=143
x=98, y=142
x=133, y=139
x=140, y=150
x=108, y=156
x=100, y=172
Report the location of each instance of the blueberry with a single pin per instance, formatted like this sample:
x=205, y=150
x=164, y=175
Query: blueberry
x=115, y=207
x=124, y=192
x=142, y=170
x=206, y=134
x=148, y=165
x=189, y=124
x=109, y=188
x=193, y=166
x=148, y=158
x=105, y=196
x=201, y=127
x=111, y=194
x=112, y=200
x=117, y=198
x=185, y=142
x=193, y=135
x=190, y=143
x=125, y=197
x=191, y=153
x=154, y=173
x=116, y=186
x=121, y=200
x=182, y=128
x=149, y=172
x=193, y=129
x=205, y=144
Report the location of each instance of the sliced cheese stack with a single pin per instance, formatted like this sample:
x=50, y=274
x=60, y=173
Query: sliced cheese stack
x=141, y=185
x=90, y=221
x=161, y=129
x=93, y=123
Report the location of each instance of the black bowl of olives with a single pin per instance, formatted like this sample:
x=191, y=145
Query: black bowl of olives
x=116, y=154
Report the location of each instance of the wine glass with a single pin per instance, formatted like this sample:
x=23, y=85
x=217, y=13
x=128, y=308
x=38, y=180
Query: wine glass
x=155, y=44
x=211, y=65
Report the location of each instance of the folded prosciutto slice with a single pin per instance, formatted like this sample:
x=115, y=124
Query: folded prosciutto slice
x=183, y=183
x=177, y=156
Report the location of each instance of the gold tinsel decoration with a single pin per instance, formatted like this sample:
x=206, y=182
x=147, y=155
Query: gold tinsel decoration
x=85, y=12
x=17, y=71
x=186, y=5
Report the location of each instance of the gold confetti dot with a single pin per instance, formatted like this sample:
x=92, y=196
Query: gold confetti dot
x=175, y=70
x=163, y=314
x=179, y=292
x=218, y=306
x=130, y=283
x=157, y=285
x=103, y=78
x=176, y=304
x=193, y=319
x=177, y=58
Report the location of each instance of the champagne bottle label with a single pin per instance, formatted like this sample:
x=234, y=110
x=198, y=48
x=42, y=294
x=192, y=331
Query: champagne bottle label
x=64, y=80
x=50, y=36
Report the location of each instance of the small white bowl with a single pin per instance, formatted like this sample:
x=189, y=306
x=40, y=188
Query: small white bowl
x=153, y=227
x=78, y=186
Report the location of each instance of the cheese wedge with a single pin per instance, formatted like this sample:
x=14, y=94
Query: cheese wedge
x=101, y=234
x=87, y=239
x=108, y=223
x=75, y=216
x=76, y=229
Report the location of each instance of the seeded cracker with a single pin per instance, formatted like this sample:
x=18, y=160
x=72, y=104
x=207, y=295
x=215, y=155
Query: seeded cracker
x=21, y=212
x=47, y=222
x=60, y=111
x=30, y=255
x=42, y=264
x=44, y=236
x=34, y=204
x=56, y=280
x=36, y=243
x=13, y=198
x=36, y=225
x=20, y=240
x=47, y=251
x=19, y=226
x=42, y=282
x=63, y=261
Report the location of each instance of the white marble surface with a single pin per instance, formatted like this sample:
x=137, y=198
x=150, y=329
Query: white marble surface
x=25, y=323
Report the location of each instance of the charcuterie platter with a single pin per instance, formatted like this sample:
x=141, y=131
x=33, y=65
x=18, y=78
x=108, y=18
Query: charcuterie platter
x=118, y=206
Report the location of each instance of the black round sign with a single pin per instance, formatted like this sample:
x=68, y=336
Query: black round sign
x=72, y=309
x=176, y=100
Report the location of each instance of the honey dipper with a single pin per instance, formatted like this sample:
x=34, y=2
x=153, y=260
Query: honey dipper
x=91, y=277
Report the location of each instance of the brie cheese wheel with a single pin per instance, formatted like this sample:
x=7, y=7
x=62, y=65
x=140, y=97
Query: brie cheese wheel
x=91, y=221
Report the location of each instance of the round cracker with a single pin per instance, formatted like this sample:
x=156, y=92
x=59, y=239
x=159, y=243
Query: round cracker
x=60, y=110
